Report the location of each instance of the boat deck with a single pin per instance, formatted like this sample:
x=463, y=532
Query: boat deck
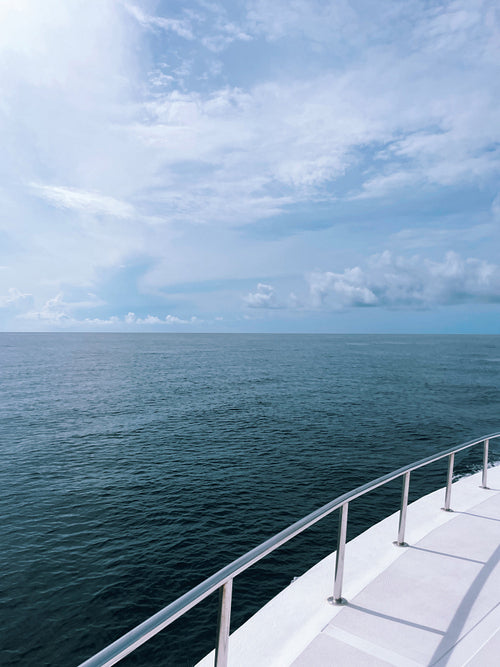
x=438, y=604
x=434, y=602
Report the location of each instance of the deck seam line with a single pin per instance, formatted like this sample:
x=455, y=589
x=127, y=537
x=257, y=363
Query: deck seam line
x=469, y=660
x=370, y=648
x=491, y=617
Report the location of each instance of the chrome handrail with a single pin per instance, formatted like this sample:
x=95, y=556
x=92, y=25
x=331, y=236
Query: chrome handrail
x=223, y=579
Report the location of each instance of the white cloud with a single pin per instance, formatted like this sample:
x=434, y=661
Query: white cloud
x=263, y=297
x=86, y=202
x=225, y=34
x=399, y=282
x=173, y=319
x=213, y=29
x=15, y=299
x=286, y=140
x=131, y=318
x=181, y=27
x=346, y=289
x=266, y=297
x=451, y=25
x=54, y=311
x=60, y=314
x=262, y=148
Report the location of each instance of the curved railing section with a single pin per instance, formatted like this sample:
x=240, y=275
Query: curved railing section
x=223, y=579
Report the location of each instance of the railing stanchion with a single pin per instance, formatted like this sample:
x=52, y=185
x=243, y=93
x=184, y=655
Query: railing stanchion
x=484, y=484
x=223, y=624
x=400, y=542
x=449, y=481
x=339, y=559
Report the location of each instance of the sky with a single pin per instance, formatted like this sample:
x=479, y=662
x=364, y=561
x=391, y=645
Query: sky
x=250, y=166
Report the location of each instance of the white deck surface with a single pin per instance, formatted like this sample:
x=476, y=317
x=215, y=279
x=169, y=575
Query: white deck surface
x=436, y=602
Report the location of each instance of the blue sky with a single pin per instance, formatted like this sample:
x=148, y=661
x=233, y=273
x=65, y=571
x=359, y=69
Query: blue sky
x=251, y=165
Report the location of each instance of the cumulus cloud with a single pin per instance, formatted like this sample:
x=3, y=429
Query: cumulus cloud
x=347, y=288
x=131, y=318
x=266, y=297
x=60, y=314
x=400, y=282
x=263, y=297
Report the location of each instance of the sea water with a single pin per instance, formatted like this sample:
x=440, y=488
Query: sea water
x=136, y=465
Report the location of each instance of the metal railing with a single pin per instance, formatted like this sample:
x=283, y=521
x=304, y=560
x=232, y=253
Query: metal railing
x=223, y=580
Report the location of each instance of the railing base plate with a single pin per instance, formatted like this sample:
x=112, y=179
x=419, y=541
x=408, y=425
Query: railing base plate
x=400, y=544
x=333, y=600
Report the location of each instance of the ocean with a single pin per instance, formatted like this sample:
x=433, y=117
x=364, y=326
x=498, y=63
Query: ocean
x=136, y=465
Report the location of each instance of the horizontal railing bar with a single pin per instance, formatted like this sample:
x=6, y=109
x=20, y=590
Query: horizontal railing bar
x=150, y=627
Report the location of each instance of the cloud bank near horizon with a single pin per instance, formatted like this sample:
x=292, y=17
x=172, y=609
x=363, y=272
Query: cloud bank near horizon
x=389, y=281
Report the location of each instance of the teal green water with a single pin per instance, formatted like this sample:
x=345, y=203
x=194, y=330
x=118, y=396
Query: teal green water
x=136, y=465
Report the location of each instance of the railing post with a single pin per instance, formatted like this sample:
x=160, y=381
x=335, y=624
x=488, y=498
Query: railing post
x=484, y=484
x=223, y=624
x=339, y=559
x=449, y=481
x=400, y=542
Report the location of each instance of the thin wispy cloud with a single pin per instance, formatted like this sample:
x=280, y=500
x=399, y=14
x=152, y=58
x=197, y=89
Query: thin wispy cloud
x=86, y=202
x=15, y=299
x=181, y=27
